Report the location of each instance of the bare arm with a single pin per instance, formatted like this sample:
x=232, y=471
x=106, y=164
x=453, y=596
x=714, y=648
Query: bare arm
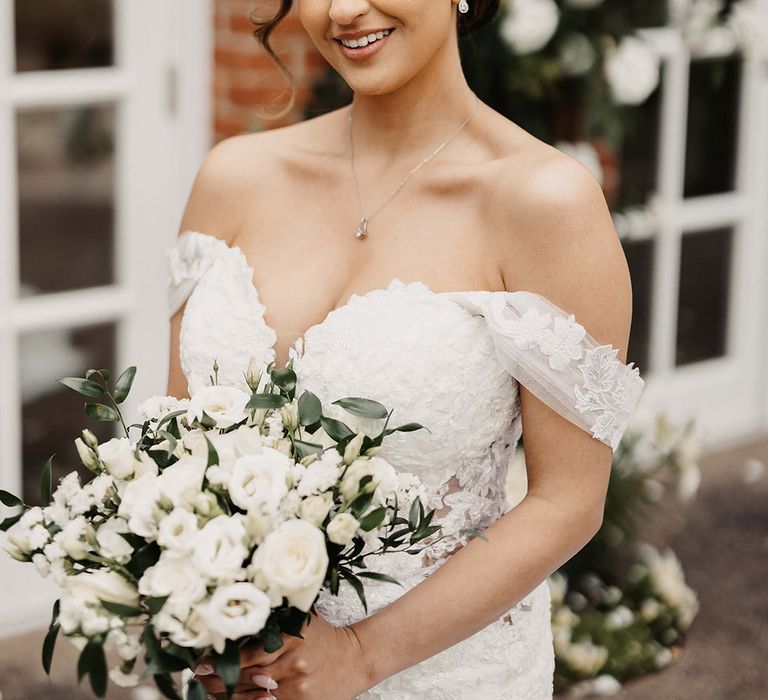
x=575, y=260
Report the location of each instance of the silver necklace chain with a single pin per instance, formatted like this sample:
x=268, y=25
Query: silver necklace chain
x=361, y=230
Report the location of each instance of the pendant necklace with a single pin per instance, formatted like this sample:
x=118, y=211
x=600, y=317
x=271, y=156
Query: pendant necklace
x=361, y=230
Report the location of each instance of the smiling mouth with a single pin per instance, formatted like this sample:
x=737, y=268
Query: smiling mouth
x=364, y=41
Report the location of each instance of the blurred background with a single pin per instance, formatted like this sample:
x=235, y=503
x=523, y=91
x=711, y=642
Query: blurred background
x=107, y=108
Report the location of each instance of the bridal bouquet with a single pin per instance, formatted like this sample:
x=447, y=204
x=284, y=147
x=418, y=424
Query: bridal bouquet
x=217, y=526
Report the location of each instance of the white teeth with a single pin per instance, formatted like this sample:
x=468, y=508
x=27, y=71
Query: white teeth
x=365, y=40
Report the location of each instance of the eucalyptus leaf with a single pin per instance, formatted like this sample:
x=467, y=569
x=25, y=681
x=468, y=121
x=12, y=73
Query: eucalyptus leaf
x=378, y=576
x=357, y=584
x=310, y=408
x=86, y=387
x=304, y=448
x=46, y=482
x=366, y=408
x=123, y=384
x=49, y=644
x=196, y=691
x=121, y=610
x=99, y=411
x=228, y=665
x=166, y=686
x=373, y=519
x=266, y=401
x=6, y=524
x=8, y=499
x=285, y=378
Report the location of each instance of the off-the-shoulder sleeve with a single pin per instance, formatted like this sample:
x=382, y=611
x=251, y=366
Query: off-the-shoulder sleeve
x=191, y=254
x=550, y=353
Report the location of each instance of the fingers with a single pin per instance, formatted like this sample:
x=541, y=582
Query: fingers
x=256, y=656
x=255, y=680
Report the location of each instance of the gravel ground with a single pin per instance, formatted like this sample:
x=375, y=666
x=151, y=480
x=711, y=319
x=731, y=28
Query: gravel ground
x=722, y=541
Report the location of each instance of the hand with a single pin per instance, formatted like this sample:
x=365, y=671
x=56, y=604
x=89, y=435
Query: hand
x=328, y=664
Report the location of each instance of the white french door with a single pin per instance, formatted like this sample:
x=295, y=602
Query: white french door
x=104, y=115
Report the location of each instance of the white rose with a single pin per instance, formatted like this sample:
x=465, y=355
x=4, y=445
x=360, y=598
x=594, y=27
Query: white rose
x=528, y=25
x=117, y=455
x=112, y=545
x=248, y=441
x=291, y=562
x=221, y=549
x=177, y=578
x=259, y=480
x=632, y=70
x=342, y=528
x=178, y=532
x=315, y=508
x=234, y=611
x=224, y=404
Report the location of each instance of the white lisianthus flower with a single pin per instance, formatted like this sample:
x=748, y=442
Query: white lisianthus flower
x=224, y=404
x=76, y=537
x=178, y=532
x=316, y=508
x=620, y=616
x=185, y=627
x=632, y=70
x=528, y=25
x=234, y=611
x=248, y=441
x=259, y=481
x=156, y=407
x=137, y=505
x=342, y=528
x=144, y=464
x=101, y=488
x=384, y=482
x=102, y=584
x=558, y=585
x=111, y=544
x=321, y=475
x=220, y=549
x=68, y=488
x=117, y=455
x=291, y=562
x=177, y=578
x=183, y=480
x=57, y=513
x=577, y=55
x=123, y=680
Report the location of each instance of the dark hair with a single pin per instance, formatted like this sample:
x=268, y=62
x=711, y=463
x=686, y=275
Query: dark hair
x=481, y=12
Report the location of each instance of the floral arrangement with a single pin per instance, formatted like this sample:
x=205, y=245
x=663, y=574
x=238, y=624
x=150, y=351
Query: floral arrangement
x=621, y=606
x=217, y=526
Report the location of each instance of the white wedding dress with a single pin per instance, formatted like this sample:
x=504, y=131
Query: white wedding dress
x=452, y=362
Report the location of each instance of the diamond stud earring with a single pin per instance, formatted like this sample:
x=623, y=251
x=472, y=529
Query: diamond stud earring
x=463, y=7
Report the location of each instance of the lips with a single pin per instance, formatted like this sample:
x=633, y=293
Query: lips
x=363, y=51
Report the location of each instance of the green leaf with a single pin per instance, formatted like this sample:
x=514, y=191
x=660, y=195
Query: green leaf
x=143, y=558
x=473, y=532
x=99, y=411
x=86, y=387
x=163, y=663
x=155, y=603
x=336, y=429
x=46, y=482
x=196, y=691
x=413, y=513
x=8, y=499
x=228, y=665
x=285, y=378
x=266, y=401
x=169, y=416
x=367, y=408
x=123, y=384
x=373, y=519
x=407, y=427
x=6, y=524
x=357, y=584
x=181, y=653
x=49, y=643
x=310, y=408
x=121, y=610
x=272, y=639
x=93, y=662
x=304, y=448
x=105, y=373
x=378, y=576
x=166, y=686
x=213, y=456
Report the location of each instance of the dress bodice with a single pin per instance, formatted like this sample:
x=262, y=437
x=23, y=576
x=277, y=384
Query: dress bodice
x=452, y=361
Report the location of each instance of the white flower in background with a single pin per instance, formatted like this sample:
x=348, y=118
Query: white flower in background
x=224, y=404
x=117, y=455
x=620, y=616
x=156, y=407
x=316, y=508
x=320, y=475
x=220, y=549
x=528, y=25
x=688, y=453
x=123, y=680
x=577, y=55
x=342, y=528
x=177, y=533
x=583, y=4
x=565, y=617
x=663, y=657
x=586, y=154
x=585, y=657
x=668, y=580
x=177, y=578
x=111, y=544
x=291, y=562
x=748, y=24
x=632, y=70
x=259, y=481
x=649, y=610
x=605, y=684
x=235, y=611
x=558, y=585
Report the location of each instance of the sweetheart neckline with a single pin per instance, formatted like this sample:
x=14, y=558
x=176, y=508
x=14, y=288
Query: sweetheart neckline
x=233, y=247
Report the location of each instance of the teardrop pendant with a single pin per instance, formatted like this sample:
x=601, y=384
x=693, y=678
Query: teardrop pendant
x=362, y=228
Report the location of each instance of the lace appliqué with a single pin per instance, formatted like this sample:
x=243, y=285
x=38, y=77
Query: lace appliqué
x=599, y=393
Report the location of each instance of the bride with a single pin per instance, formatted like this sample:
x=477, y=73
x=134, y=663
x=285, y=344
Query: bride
x=419, y=248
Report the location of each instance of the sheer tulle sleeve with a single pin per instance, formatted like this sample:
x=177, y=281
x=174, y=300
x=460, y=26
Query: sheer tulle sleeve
x=191, y=254
x=556, y=359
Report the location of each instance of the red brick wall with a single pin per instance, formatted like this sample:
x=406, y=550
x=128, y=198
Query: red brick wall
x=245, y=79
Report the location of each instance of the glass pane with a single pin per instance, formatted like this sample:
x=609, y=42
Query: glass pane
x=52, y=414
x=639, y=158
x=66, y=199
x=705, y=270
x=713, y=111
x=639, y=256
x=63, y=34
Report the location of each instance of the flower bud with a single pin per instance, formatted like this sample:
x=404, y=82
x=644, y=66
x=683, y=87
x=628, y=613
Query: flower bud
x=87, y=456
x=90, y=439
x=352, y=450
x=253, y=374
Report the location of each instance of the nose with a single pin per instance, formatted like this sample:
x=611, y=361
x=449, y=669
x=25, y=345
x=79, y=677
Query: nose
x=346, y=11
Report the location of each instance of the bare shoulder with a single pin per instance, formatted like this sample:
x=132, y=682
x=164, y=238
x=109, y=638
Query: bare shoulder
x=555, y=236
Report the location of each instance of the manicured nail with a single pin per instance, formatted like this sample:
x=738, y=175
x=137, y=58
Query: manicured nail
x=264, y=681
x=204, y=670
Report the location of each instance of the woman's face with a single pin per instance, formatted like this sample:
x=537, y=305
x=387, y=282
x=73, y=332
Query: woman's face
x=419, y=29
